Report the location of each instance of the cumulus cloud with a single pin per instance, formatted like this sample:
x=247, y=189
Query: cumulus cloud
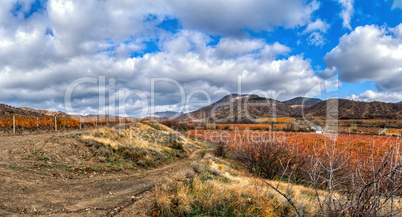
x=43, y=53
x=397, y=4
x=69, y=28
x=83, y=27
x=316, y=29
x=347, y=12
x=370, y=95
x=231, y=17
x=369, y=53
x=316, y=39
x=194, y=72
x=317, y=25
x=119, y=20
x=228, y=48
x=327, y=73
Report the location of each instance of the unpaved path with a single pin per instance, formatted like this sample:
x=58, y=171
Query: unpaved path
x=27, y=191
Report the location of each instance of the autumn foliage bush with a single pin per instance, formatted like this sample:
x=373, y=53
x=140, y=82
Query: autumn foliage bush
x=262, y=158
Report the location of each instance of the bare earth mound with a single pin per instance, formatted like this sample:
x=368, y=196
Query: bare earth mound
x=61, y=174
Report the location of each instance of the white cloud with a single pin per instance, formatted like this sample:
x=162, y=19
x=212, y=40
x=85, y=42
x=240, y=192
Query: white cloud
x=120, y=20
x=397, y=4
x=317, y=25
x=40, y=56
x=232, y=17
x=347, y=12
x=327, y=73
x=184, y=41
x=271, y=51
x=370, y=95
x=369, y=53
x=197, y=66
x=79, y=26
x=229, y=48
x=88, y=27
x=316, y=30
x=316, y=39
x=221, y=64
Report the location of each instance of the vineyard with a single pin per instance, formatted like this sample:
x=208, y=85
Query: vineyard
x=19, y=124
x=351, y=126
x=362, y=123
x=279, y=120
x=303, y=145
x=215, y=126
x=252, y=126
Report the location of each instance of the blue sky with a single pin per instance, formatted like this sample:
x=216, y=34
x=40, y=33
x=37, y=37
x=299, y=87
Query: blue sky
x=280, y=49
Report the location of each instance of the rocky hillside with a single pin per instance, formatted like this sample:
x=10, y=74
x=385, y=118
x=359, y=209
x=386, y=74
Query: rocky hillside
x=165, y=114
x=6, y=110
x=303, y=101
x=349, y=109
x=235, y=108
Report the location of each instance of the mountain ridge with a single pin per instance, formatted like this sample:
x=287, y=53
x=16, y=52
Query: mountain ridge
x=349, y=109
x=7, y=110
x=164, y=114
x=259, y=107
x=239, y=108
x=256, y=107
x=302, y=101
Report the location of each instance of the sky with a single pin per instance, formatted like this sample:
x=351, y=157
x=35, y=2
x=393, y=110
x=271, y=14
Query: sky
x=136, y=57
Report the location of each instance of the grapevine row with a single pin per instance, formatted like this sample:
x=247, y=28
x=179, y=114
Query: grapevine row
x=48, y=122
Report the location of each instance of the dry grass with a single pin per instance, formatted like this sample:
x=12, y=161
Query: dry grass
x=147, y=134
x=230, y=192
x=106, y=141
x=144, y=144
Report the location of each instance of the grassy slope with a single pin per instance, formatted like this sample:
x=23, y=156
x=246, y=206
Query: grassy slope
x=216, y=187
x=146, y=144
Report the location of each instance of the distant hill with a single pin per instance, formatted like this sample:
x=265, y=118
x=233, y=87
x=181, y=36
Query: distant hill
x=165, y=114
x=303, y=101
x=6, y=110
x=349, y=109
x=237, y=108
x=98, y=116
x=399, y=102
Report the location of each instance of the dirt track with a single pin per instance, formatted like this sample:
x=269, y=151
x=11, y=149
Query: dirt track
x=27, y=190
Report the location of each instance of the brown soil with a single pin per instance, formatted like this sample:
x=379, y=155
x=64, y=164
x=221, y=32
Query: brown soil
x=28, y=187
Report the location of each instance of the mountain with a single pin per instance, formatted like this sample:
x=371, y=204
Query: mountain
x=349, y=109
x=6, y=110
x=399, y=102
x=165, y=114
x=303, y=101
x=235, y=108
x=97, y=116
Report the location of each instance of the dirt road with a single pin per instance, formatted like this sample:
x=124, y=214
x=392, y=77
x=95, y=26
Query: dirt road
x=28, y=190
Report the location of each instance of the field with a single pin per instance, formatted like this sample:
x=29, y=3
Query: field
x=252, y=126
x=360, y=147
x=364, y=126
x=24, y=124
x=351, y=126
x=279, y=120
